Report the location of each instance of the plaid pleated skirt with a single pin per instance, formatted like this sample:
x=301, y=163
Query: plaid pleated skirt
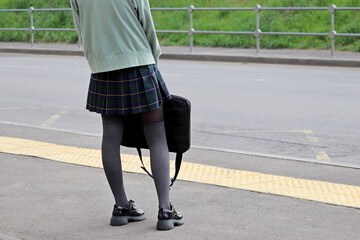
x=127, y=91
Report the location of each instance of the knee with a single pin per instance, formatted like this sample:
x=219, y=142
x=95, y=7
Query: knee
x=153, y=116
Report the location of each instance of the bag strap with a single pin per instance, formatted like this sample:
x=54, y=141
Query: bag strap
x=177, y=165
x=143, y=166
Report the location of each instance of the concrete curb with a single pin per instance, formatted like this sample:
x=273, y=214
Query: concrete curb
x=267, y=60
x=208, y=57
x=280, y=157
x=43, y=51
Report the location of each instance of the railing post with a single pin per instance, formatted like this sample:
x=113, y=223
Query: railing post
x=332, y=33
x=32, y=28
x=79, y=42
x=191, y=31
x=257, y=32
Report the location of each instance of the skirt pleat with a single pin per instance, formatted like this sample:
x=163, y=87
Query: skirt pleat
x=127, y=91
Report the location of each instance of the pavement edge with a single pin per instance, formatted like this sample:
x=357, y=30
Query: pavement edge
x=208, y=57
x=5, y=237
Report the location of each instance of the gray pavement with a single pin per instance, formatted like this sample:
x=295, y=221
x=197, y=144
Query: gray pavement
x=277, y=56
x=43, y=199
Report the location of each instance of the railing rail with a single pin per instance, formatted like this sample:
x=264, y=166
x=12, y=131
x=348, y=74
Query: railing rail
x=257, y=33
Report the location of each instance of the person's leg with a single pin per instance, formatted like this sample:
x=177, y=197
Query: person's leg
x=155, y=135
x=113, y=127
x=124, y=210
x=154, y=130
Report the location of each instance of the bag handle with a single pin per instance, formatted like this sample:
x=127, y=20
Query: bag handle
x=143, y=166
x=177, y=165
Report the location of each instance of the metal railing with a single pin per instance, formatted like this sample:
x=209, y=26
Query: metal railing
x=257, y=33
x=32, y=28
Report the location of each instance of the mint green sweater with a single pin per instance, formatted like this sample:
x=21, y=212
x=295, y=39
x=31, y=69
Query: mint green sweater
x=116, y=34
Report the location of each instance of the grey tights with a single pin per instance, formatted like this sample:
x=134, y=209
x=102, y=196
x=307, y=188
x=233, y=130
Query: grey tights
x=154, y=131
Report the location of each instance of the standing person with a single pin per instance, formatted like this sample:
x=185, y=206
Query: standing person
x=122, y=49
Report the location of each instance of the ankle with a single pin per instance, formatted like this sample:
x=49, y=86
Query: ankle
x=122, y=204
x=165, y=206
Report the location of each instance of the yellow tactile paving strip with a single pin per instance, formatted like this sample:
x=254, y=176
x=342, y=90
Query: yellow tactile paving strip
x=338, y=194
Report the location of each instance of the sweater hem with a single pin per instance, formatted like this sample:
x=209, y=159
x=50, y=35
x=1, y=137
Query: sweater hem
x=121, y=62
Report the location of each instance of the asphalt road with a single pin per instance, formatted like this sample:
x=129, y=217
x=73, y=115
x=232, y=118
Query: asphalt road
x=295, y=111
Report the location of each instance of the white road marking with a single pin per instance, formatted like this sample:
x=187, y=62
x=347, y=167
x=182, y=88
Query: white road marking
x=9, y=108
x=22, y=66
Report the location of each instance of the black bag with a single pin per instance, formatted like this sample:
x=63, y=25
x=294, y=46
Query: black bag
x=177, y=125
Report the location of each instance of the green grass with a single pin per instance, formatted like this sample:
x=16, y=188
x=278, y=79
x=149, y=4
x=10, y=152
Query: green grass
x=282, y=21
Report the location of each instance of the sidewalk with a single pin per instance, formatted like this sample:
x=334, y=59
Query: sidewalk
x=44, y=199
x=280, y=56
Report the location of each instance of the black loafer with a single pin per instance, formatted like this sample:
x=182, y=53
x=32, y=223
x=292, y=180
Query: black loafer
x=167, y=219
x=122, y=216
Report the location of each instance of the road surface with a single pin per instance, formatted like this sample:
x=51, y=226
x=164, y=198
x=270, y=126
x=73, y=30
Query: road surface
x=294, y=111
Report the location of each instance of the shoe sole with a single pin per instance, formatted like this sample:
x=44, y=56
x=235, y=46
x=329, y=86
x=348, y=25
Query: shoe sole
x=168, y=224
x=123, y=220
